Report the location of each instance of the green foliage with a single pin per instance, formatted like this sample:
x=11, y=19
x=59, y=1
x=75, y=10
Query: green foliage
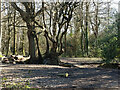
x=95, y=52
x=71, y=34
x=15, y=85
x=109, y=50
x=4, y=78
x=108, y=42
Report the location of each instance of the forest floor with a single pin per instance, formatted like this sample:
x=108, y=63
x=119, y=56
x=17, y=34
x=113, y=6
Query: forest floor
x=47, y=76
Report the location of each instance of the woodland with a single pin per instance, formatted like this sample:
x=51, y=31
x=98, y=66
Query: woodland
x=44, y=33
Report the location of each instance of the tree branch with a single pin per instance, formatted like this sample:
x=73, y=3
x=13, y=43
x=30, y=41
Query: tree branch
x=22, y=13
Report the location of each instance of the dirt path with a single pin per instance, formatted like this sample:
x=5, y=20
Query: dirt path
x=46, y=76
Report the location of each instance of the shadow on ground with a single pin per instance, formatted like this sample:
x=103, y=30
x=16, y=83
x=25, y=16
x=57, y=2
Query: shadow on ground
x=46, y=76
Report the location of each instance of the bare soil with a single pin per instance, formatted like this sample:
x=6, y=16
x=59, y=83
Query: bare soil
x=47, y=76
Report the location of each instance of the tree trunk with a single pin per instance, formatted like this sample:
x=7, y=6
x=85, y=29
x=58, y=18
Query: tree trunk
x=96, y=30
x=14, y=43
x=31, y=44
x=52, y=57
x=65, y=44
x=23, y=42
x=8, y=42
x=86, y=30
x=81, y=41
x=65, y=47
x=82, y=33
x=40, y=59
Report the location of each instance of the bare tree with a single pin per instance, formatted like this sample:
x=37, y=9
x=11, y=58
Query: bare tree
x=29, y=17
x=60, y=15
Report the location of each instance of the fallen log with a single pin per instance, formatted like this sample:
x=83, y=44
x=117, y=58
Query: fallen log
x=14, y=59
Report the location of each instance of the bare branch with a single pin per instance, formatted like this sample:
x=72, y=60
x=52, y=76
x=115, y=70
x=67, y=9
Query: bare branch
x=38, y=24
x=13, y=4
x=22, y=13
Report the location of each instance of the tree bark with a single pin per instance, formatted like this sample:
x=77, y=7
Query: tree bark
x=40, y=59
x=86, y=29
x=8, y=41
x=82, y=32
x=65, y=49
x=23, y=42
x=31, y=44
x=14, y=41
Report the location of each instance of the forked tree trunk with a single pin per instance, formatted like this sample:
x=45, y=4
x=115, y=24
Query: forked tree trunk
x=52, y=57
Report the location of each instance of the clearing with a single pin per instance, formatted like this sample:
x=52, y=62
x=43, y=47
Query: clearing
x=47, y=76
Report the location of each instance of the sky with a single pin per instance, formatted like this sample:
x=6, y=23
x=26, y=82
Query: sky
x=115, y=4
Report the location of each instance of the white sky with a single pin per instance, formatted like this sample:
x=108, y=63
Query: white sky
x=115, y=4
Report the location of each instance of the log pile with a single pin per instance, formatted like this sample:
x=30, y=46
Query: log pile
x=14, y=59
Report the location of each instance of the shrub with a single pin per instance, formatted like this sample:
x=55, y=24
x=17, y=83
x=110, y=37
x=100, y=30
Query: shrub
x=109, y=50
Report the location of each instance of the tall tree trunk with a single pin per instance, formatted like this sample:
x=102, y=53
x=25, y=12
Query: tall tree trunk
x=23, y=42
x=65, y=43
x=81, y=41
x=14, y=41
x=40, y=59
x=86, y=29
x=8, y=41
x=96, y=30
x=31, y=44
x=82, y=32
